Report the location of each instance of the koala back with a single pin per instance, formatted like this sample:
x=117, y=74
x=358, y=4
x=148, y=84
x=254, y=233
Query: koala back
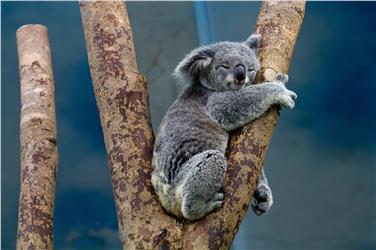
x=186, y=130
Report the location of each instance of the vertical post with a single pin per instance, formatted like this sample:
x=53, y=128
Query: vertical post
x=37, y=139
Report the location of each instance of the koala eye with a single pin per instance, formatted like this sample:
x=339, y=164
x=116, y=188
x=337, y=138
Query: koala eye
x=223, y=66
x=250, y=69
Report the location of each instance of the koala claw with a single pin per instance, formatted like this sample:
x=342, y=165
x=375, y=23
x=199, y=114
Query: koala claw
x=218, y=197
x=262, y=200
x=293, y=95
x=286, y=99
x=216, y=201
x=289, y=103
x=283, y=78
x=216, y=204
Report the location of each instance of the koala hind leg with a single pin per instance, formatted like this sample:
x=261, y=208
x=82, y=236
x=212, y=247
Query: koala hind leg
x=203, y=180
x=262, y=198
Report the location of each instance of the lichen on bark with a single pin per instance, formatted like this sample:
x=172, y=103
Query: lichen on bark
x=122, y=100
x=279, y=24
x=37, y=139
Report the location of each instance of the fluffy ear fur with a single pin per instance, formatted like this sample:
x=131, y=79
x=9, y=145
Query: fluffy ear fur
x=194, y=63
x=254, y=42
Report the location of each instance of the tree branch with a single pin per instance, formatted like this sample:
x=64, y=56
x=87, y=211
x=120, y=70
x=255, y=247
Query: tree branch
x=37, y=138
x=121, y=95
x=279, y=24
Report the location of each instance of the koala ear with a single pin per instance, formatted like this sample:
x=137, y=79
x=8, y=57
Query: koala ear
x=194, y=63
x=254, y=42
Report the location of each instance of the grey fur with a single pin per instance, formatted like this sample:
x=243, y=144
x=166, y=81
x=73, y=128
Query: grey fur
x=188, y=160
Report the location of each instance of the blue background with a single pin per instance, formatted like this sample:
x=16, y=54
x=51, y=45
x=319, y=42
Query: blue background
x=321, y=162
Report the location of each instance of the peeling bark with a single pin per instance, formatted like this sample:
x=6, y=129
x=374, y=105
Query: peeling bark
x=37, y=139
x=122, y=100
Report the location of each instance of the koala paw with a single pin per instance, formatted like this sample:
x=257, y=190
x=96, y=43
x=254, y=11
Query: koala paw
x=218, y=197
x=215, y=205
x=217, y=200
x=286, y=98
x=262, y=200
x=283, y=78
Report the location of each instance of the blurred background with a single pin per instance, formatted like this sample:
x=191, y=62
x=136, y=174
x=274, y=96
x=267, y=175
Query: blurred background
x=321, y=162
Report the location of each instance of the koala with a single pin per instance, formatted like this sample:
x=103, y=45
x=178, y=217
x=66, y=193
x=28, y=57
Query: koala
x=189, y=153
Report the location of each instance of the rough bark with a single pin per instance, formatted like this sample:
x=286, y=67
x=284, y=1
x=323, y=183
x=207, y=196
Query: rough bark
x=37, y=138
x=121, y=95
x=122, y=100
x=279, y=24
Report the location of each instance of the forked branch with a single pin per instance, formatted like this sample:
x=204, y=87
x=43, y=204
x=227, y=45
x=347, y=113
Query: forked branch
x=121, y=95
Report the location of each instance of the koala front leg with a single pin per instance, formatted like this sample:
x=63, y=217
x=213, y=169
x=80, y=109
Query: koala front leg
x=262, y=198
x=234, y=109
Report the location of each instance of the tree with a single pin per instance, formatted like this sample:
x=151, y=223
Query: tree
x=37, y=139
x=122, y=100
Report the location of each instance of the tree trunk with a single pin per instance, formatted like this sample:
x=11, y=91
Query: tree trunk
x=122, y=100
x=37, y=138
x=279, y=24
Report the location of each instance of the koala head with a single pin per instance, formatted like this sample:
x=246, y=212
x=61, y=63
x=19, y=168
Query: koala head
x=222, y=66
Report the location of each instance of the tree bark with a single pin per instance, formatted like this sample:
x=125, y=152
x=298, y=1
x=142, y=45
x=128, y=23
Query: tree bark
x=37, y=138
x=279, y=24
x=122, y=100
x=121, y=95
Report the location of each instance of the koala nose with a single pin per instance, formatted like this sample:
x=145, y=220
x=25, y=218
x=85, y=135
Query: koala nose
x=239, y=74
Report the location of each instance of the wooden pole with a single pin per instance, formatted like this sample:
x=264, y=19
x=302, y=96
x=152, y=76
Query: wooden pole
x=37, y=138
x=122, y=100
